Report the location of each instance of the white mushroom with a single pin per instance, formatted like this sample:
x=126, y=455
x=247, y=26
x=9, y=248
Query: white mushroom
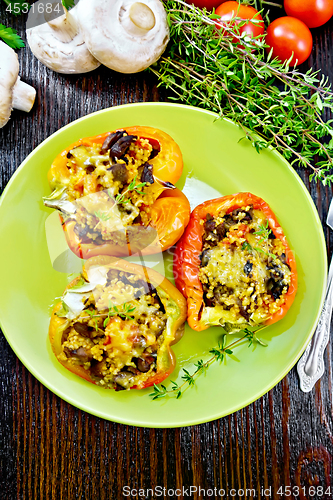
x=124, y=35
x=13, y=92
x=58, y=43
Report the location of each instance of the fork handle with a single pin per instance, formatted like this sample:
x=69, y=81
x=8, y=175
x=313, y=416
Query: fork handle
x=311, y=365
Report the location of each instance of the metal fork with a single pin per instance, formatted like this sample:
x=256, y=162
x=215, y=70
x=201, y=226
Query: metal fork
x=311, y=365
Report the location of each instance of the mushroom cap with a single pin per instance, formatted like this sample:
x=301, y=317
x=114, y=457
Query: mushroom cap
x=58, y=43
x=124, y=35
x=9, y=69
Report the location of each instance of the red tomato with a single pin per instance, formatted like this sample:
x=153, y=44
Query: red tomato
x=288, y=35
x=313, y=13
x=208, y=4
x=231, y=9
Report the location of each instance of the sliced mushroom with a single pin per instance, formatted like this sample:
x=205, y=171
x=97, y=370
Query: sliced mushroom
x=143, y=364
x=204, y=258
x=79, y=353
x=119, y=172
x=58, y=43
x=120, y=147
x=147, y=174
x=111, y=140
x=124, y=35
x=13, y=92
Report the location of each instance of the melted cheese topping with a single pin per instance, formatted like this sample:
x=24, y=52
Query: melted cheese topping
x=226, y=266
x=122, y=335
x=243, y=276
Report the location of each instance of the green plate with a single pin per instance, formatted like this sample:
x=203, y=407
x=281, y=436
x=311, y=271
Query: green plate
x=215, y=164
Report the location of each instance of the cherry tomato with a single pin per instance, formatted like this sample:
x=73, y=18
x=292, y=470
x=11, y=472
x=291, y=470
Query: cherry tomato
x=208, y=4
x=231, y=9
x=289, y=35
x=313, y=13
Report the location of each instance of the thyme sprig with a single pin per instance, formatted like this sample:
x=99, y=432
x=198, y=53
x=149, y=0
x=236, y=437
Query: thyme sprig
x=264, y=231
x=124, y=312
x=120, y=198
x=219, y=353
x=103, y=216
x=94, y=316
x=274, y=105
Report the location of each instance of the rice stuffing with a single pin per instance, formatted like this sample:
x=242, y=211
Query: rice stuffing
x=243, y=269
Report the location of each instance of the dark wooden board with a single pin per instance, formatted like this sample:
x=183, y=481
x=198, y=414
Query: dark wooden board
x=51, y=450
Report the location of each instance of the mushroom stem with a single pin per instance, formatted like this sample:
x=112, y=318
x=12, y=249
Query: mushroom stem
x=142, y=16
x=23, y=96
x=124, y=35
x=65, y=26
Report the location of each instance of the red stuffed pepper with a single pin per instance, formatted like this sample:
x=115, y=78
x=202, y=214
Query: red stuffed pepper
x=115, y=324
x=234, y=264
x=116, y=193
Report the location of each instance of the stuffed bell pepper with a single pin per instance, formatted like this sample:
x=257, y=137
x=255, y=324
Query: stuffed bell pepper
x=116, y=195
x=115, y=324
x=234, y=264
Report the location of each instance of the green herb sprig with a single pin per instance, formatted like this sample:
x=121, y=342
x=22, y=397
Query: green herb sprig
x=274, y=105
x=124, y=313
x=103, y=216
x=264, y=231
x=94, y=316
x=246, y=246
x=219, y=353
x=120, y=198
x=10, y=36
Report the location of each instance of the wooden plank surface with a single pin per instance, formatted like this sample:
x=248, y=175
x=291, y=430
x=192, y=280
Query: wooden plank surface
x=51, y=450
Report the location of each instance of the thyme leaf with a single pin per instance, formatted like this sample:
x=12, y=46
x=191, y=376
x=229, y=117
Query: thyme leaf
x=264, y=231
x=246, y=246
x=269, y=254
x=218, y=354
x=124, y=313
x=120, y=198
x=103, y=216
x=273, y=104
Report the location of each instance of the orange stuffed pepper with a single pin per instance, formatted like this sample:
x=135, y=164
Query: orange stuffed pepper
x=116, y=194
x=115, y=324
x=234, y=264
